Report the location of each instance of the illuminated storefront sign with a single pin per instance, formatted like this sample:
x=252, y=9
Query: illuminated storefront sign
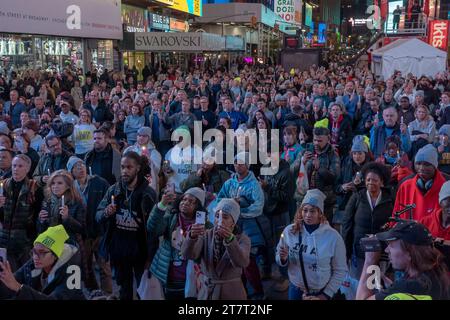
x=190, y=6
x=438, y=34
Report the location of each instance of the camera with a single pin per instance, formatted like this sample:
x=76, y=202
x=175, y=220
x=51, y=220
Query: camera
x=370, y=244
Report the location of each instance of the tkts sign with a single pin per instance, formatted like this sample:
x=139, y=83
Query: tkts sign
x=438, y=34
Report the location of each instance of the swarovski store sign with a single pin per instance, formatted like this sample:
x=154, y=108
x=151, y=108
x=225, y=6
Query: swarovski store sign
x=80, y=19
x=178, y=41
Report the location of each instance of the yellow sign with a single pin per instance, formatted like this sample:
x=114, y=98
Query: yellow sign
x=190, y=6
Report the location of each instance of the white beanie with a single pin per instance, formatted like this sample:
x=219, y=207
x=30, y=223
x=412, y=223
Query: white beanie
x=315, y=198
x=231, y=207
x=197, y=193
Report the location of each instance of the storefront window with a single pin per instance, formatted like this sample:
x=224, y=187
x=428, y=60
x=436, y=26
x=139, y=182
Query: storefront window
x=103, y=56
x=19, y=52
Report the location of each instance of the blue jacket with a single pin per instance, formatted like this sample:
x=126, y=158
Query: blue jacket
x=379, y=134
x=251, y=194
x=350, y=104
x=236, y=118
x=17, y=109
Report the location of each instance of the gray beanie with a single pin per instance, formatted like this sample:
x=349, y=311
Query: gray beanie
x=316, y=198
x=420, y=93
x=359, y=145
x=242, y=158
x=145, y=131
x=231, y=207
x=4, y=127
x=71, y=162
x=445, y=191
x=427, y=154
x=197, y=193
x=445, y=129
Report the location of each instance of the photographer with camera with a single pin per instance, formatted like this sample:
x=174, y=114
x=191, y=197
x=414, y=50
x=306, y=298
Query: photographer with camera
x=410, y=249
x=439, y=221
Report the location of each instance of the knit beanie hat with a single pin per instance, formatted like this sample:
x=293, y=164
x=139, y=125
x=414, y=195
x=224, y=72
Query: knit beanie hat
x=445, y=191
x=427, y=154
x=315, y=198
x=359, y=145
x=231, y=207
x=197, y=193
x=53, y=238
x=71, y=162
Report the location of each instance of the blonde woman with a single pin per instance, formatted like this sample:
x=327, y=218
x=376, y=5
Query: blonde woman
x=63, y=205
x=312, y=240
x=83, y=134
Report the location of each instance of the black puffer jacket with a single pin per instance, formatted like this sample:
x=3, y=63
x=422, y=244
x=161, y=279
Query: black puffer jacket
x=360, y=220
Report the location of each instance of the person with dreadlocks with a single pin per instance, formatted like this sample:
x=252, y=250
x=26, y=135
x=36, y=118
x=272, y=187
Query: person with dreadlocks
x=224, y=251
x=123, y=212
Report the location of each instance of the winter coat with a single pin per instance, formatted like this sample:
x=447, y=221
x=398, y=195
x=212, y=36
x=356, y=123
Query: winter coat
x=101, y=113
x=344, y=133
x=75, y=224
x=162, y=223
x=95, y=159
x=58, y=278
x=279, y=190
x=323, y=255
x=378, y=136
x=360, y=220
x=224, y=279
x=53, y=163
x=19, y=227
x=181, y=119
x=251, y=194
x=93, y=194
x=408, y=193
x=125, y=235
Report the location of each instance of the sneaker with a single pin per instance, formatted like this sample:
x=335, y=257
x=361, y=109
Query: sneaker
x=281, y=285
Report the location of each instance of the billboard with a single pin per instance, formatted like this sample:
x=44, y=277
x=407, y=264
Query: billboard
x=134, y=19
x=289, y=10
x=438, y=34
x=62, y=18
x=308, y=16
x=189, y=6
x=322, y=33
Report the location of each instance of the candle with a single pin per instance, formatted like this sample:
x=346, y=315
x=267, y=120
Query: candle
x=239, y=192
x=48, y=171
x=62, y=201
x=90, y=171
x=398, y=154
x=401, y=120
x=204, y=187
x=1, y=188
x=112, y=201
x=220, y=218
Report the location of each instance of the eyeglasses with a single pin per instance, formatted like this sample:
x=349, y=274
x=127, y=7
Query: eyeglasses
x=39, y=254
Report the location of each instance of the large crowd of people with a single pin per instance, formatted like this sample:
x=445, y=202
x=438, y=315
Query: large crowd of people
x=103, y=172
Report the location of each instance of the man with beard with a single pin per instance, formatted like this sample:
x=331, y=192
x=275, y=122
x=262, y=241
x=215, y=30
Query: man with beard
x=123, y=212
x=322, y=166
x=20, y=204
x=103, y=160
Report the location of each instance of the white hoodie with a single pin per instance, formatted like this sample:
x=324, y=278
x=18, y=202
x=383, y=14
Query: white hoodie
x=324, y=258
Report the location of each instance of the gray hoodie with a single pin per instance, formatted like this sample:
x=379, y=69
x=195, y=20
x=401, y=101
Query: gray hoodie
x=323, y=255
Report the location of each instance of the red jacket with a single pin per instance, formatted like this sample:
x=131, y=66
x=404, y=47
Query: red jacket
x=408, y=193
x=433, y=223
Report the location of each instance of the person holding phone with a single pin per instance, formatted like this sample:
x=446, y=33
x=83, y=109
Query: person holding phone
x=224, y=251
x=45, y=276
x=173, y=219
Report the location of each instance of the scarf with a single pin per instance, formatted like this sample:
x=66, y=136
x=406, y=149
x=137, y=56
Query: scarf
x=219, y=248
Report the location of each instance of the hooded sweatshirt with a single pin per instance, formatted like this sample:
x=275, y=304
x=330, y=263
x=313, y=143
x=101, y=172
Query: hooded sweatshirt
x=251, y=194
x=324, y=258
x=151, y=152
x=183, y=162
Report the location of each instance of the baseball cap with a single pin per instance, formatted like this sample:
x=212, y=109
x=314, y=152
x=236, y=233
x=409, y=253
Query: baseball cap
x=411, y=232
